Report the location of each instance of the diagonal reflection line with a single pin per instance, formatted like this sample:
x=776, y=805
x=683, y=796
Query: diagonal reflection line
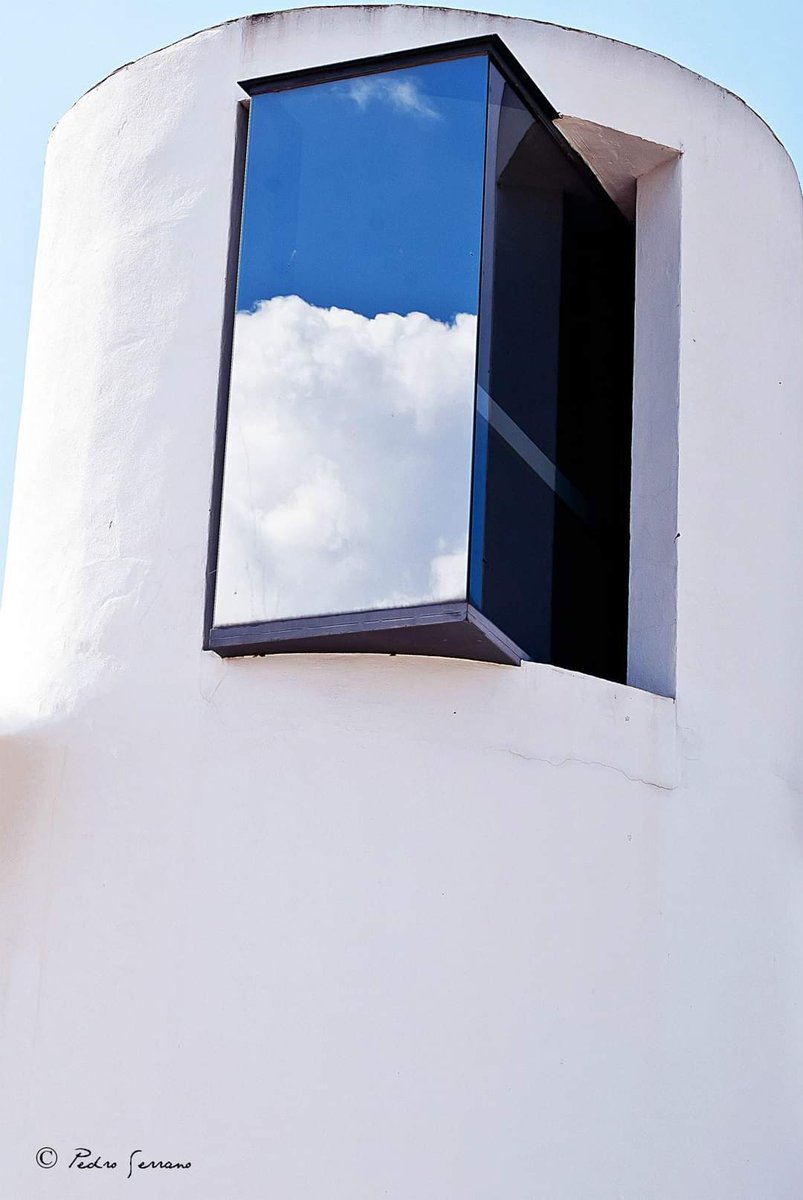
x=535, y=458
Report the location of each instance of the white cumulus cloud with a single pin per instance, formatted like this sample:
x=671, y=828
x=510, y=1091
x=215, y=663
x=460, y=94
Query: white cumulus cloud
x=347, y=469
x=403, y=95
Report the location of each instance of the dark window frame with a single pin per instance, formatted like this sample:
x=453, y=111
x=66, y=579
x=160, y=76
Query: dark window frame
x=453, y=629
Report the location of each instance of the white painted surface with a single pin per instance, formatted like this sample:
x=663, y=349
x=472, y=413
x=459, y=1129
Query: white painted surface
x=654, y=534
x=619, y=160
x=362, y=927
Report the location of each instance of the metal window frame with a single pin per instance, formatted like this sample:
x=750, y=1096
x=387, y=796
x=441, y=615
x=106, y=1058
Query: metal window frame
x=453, y=629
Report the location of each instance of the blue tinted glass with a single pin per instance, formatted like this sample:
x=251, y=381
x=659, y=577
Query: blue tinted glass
x=347, y=472
x=550, y=523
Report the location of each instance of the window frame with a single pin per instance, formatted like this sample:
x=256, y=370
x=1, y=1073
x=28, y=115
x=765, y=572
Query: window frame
x=452, y=629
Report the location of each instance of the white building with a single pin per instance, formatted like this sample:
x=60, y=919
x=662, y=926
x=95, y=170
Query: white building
x=363, y=925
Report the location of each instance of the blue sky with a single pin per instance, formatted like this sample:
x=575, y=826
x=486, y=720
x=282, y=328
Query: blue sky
x=52, y=54
x=402, y=237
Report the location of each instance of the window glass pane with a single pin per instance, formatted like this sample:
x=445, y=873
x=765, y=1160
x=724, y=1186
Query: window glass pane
x=347, y=465
x=550, y=518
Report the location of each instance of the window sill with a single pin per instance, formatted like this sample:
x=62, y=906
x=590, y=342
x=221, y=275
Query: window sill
x=451, y=630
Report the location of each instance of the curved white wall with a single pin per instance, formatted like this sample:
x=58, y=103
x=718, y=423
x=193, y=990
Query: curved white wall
x=355, y=926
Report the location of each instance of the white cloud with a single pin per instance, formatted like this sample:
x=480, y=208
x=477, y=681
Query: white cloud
x=403, y=95
x=347, y=462
x=449, y=574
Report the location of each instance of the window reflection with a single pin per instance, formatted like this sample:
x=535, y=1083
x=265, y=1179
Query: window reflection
x=551, y=482
x=348, y=452
x=435, y=444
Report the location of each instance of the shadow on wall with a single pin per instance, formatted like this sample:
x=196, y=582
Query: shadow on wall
x=31, y=770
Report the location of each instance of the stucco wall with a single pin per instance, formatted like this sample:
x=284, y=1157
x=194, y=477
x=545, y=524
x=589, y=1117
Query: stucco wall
x=356, y=926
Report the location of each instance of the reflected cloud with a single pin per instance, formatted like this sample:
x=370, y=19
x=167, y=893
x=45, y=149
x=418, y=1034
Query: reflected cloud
x=403, y=95
x=348, y=457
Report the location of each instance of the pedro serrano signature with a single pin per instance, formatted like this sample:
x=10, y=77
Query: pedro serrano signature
x=84, y=1160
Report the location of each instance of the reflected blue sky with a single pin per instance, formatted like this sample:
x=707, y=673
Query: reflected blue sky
x=366, y=193
x=348, y=450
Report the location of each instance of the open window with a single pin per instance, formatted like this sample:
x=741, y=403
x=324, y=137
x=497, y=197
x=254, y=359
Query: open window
x=426, y=447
